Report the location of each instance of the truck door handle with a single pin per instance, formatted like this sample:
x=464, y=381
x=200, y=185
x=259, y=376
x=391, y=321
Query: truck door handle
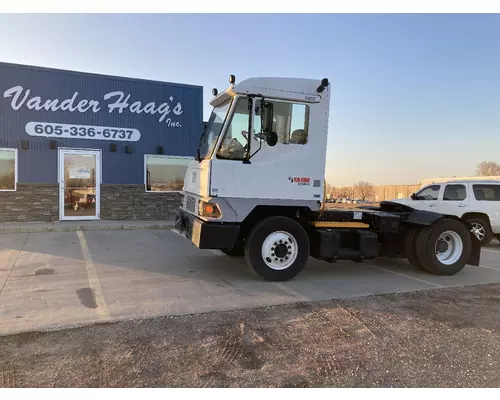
x=432, y=205
x=462, y=205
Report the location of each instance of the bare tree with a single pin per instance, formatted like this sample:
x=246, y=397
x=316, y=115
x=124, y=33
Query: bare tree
x=488, y=168
x=329, y=189
x=343, y=192
x=364, y=190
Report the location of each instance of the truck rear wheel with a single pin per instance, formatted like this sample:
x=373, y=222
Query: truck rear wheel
x=277, y=248
x=410, y=250
x=444, y=247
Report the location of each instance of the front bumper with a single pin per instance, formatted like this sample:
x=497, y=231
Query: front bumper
x=206, y=235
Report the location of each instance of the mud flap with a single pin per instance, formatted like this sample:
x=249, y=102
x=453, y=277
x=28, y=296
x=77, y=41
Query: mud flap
x=475, y=254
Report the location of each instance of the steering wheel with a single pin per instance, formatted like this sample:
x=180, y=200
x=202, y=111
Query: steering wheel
x=256, y=136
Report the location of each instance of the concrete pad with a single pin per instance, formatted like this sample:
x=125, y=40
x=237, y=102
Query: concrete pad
x=58, y=279
x=43, y=287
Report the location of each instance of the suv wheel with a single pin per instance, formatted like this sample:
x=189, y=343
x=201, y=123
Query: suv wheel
x=481, y=228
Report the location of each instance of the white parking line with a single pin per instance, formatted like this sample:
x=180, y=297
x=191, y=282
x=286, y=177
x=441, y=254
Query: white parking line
x=94, y=283
x=409, y=277
x=485, y=266
x=491, y=250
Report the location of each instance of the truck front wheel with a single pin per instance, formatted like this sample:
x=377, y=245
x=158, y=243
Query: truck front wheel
x=277, y=248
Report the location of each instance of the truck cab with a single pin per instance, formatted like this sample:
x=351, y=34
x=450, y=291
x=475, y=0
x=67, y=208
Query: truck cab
x=279, y=163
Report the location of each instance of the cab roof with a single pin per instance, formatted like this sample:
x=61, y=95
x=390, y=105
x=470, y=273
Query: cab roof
x=298, y=89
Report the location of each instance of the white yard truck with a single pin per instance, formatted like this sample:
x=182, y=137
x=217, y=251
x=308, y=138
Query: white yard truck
x=261, y=195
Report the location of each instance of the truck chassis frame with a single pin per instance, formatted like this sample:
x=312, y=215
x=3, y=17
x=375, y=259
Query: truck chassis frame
x=366, y=233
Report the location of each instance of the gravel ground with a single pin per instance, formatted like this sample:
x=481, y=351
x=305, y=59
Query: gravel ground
x=436, y=338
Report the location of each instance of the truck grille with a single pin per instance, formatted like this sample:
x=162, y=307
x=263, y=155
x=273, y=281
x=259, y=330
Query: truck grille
x=191, y=204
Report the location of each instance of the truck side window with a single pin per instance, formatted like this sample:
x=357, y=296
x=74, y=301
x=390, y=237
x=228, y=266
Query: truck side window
x=486, y=192
x=291, y=122
x=429, y=193
x=454, y=193
x=234, y=141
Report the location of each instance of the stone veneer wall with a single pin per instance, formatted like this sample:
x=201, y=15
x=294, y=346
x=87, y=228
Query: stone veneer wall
x=30, y=202
x=40, y=202
x=131, y=202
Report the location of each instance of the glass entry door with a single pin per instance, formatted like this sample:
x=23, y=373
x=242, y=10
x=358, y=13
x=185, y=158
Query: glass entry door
x=79, y=184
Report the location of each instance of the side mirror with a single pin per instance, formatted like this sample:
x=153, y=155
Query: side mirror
x=413, y=196
x=271, y=139
x=267, y=117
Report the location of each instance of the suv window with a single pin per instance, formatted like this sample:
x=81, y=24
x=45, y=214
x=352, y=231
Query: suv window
x=486, y=192
x=429, y=193
x=455, y=192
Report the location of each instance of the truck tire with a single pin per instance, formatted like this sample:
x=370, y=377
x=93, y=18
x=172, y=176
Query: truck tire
x=277, y=248
x=410, y=250
x=444, y=247
x=482, y=229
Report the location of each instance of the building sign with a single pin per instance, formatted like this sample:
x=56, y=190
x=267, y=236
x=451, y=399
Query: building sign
x=115, y=102
x=79, y=173
x=45, y=129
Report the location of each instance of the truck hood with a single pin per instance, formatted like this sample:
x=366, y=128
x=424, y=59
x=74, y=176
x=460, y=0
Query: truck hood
x=196, y=179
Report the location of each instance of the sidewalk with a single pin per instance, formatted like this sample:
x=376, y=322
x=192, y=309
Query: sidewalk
x=68, y=226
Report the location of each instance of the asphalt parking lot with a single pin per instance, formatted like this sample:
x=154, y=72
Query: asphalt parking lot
x=58, y=279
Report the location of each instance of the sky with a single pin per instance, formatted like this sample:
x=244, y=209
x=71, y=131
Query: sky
x=413, y=96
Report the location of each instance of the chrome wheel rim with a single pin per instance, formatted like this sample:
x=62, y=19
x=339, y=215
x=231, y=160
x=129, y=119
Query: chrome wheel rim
x=279, y=250
x=449, y=247
x=478, y=230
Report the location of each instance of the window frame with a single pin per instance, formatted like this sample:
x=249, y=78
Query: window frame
x=307, y=118
x=473, y=187
x=15, y=167
x=455, y=184
x=190, y=158
x=427, y=187
x=232, y=111
x=227, y=124
x=222, y=132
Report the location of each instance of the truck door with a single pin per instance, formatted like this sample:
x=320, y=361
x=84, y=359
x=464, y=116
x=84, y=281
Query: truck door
x=427, y=198
x=288, y=170
x=454, y=200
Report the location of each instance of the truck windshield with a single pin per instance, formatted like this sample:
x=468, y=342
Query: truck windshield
x=212, y=131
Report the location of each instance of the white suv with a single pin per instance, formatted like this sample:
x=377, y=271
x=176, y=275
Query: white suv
x=475, y=201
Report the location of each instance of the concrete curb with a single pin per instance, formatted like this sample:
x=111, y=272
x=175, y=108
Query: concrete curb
x=73, y=227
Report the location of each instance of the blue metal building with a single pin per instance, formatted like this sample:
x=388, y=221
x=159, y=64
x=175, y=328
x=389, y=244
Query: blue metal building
x=85, y=146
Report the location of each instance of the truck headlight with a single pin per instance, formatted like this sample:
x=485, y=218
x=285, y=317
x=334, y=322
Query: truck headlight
x=210, y=210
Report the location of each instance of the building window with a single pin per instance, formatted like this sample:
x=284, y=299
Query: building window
x=487, y=192
x=455, y=193
x=165, y=173
x=8, y=169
